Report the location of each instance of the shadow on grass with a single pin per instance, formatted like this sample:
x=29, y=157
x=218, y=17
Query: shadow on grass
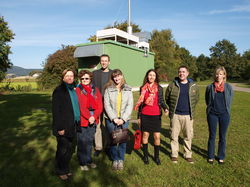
x=28, y=147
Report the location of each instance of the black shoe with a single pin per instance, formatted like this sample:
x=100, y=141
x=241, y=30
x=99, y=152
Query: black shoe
x=145, y=160
x=157, y=161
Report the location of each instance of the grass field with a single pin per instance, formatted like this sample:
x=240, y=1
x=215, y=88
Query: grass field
x=19, y=84
x=28, y=150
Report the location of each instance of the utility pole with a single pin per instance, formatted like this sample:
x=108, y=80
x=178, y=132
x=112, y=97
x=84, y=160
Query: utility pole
x=129, y=28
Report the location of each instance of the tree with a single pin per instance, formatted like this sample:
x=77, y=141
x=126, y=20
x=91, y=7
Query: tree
x=202, y=63
x=122, y=26
x=166, y=54
x=188, y=60
x=6, y=35
x=54, y=66
x=245, y=73
x=224, y=53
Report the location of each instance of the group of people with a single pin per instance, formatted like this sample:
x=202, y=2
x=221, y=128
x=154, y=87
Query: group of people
x=103, y=96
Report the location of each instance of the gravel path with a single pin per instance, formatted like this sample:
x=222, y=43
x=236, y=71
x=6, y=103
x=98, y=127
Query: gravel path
x=236, y=88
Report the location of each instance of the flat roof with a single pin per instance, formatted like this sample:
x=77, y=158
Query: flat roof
x=114, y=43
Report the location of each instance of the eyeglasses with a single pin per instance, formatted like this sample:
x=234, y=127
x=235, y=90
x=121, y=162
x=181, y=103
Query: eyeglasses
x=85, y=78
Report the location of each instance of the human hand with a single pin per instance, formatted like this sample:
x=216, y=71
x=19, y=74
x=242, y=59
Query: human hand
x=61, y=133
x=120, y=122
x=166, y=112
x=116, y=120
x=91, y=119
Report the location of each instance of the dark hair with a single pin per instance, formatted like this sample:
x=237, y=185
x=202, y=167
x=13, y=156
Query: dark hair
x=183, y=66
x=83, y=72
x=66, y=71
x=146, y=77
x=104, y=55
x=111, y=81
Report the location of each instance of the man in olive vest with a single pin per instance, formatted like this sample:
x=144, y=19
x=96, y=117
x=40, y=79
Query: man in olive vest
x=181, y=97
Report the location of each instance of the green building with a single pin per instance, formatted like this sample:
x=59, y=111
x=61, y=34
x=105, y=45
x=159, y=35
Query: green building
x=126, y=53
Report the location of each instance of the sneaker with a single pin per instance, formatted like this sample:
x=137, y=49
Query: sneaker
x=92, y=165
x=120, y=165
x=210, y=161
x=174, y=160
x=221, y=161
x=114, y=165
x=84, y=168
x=190, y=160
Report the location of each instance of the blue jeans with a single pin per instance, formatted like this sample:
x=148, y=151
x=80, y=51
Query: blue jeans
x=84, y=144
x=223, y=120
x=117, y=152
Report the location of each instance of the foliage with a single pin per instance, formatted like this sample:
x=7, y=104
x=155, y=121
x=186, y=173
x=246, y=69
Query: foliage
x=29, y=149
x=224, y=53
x=122, y=26
x=54, y=66
x=188, y=60
x=245, y=73
x=6, y=35
x=202, y=63
x=166, y=54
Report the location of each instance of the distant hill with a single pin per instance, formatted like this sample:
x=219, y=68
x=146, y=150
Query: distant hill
x=19, y=71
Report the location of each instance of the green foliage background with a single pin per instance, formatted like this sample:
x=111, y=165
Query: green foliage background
x=6, y=35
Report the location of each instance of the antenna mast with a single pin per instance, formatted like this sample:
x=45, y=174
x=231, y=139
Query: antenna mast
x=129, y=28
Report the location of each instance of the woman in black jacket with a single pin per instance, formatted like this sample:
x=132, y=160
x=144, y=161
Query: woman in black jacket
x=149, y=104
x=66, y=116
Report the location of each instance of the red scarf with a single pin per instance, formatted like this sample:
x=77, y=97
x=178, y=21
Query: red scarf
x=219, y=87
x=152, y=93
x=91, y=102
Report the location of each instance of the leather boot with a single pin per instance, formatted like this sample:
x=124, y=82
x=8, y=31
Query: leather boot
x=145, y=153
x=156, y=154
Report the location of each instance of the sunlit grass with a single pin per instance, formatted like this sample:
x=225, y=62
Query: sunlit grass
x=28, y=150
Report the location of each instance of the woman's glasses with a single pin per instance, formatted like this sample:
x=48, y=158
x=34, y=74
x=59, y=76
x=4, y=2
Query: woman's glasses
x=85, y=78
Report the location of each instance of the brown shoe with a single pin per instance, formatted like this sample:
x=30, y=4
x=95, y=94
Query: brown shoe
x=174, y=160
x=190, y=160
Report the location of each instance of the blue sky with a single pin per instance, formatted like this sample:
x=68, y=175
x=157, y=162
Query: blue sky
x=42, y=26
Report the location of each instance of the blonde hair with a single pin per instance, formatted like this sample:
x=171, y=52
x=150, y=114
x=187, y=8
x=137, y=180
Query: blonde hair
x=217, y=70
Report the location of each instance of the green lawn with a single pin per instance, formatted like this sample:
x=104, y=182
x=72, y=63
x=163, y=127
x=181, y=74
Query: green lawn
x=28, y=149
x=16, y=85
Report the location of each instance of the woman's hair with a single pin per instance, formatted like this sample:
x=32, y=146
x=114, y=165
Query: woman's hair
x=66, y=71
x=111, y=81
x=83, y=72
x=146, y=77
x=218, y=69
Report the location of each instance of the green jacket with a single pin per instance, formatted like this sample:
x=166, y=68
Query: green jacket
x=172, y=96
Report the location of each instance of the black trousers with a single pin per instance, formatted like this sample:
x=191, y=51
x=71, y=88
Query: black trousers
x=65, y=147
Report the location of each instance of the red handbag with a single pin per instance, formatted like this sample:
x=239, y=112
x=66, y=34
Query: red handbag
x=138, y=137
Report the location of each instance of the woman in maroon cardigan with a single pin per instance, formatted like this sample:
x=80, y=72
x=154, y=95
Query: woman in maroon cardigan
x=90, y=101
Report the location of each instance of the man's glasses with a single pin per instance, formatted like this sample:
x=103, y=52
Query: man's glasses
x=85, y=78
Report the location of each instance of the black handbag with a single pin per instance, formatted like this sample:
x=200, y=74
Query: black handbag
x=120, y=135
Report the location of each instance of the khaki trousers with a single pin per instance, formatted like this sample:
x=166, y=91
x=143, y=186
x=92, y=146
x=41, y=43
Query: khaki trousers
x=177, y=124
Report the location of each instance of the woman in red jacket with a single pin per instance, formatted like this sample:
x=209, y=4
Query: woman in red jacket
x=90, y=101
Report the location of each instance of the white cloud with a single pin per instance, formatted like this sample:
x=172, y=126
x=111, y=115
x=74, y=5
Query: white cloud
x=239, y=9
